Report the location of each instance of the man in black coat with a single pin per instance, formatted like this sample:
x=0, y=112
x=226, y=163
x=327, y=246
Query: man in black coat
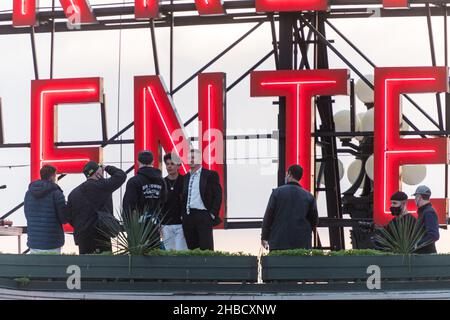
x=146, y=191
x=202, y=199
x=291, y=215
x=46, y=211
x=93, y=195
x=428, y=219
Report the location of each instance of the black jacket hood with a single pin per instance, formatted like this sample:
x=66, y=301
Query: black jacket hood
x=40, y=188
x=150, y=173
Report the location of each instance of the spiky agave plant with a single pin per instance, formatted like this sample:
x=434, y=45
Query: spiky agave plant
x=140, y=232
x=402, y=236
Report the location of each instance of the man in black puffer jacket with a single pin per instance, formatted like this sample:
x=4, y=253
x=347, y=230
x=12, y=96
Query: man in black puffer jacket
x=146, y=191
x=46, y=212
x=93, y=195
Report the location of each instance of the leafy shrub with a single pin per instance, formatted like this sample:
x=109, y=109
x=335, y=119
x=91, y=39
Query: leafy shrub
x=402, y=235
x=316, y=252
x=23, y=281
x=298, y=252
x=360, y=252
x=196, y=252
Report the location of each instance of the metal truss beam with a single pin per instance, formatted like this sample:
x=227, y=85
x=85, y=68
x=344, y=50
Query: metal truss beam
x=239, y=11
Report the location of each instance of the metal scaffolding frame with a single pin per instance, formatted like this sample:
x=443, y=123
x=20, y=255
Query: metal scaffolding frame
x=297, y=33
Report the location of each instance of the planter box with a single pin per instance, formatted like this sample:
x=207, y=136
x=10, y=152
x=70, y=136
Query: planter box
x=318, y=268
x=182, y=268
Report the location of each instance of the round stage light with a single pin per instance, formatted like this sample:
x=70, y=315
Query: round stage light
x=369, y=167
x=353, y=171
x=342, y=122
x=363, y=91
x=367, y=120
x=413, y=175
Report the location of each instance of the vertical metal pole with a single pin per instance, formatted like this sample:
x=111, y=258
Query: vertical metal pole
x=433, y=61
x=155, y=49
x=445, y=36
x=274, y=42
x=329, y=148
x=33, y=50
x=2, y=138
x=287, y=21
x=352, y=105
x=172, y=22
x=447, y=96
x=52, y=40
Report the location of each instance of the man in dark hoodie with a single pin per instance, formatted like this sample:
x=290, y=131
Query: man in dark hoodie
x=146, y=191
x=92, y=196
x=46, y=212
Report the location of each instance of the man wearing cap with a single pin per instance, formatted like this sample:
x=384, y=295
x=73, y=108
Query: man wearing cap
x=146, y=191
x=398, y=209
x=398, y=204
x=427, y=217
x=93, y=195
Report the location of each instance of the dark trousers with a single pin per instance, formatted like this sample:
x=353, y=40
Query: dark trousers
x=198, y=230
x=96, y=243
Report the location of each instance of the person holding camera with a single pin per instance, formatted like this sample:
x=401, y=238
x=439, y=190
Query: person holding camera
x=86, y=201
x=202, y=199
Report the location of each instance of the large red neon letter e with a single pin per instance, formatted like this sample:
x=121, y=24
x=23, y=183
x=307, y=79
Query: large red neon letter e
x=291, y=5
x=299, y=87
x=212, y=128
x=46, y=95
x=390, y=151
x=77, y=11
x=156, y=121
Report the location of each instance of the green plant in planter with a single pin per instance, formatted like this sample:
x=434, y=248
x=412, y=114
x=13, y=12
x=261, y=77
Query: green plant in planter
x=360, y=252
x=23, y=281
x=401, y=236
x=138, y=236
x=195, y=252
x=318, y=253
x=298, y=252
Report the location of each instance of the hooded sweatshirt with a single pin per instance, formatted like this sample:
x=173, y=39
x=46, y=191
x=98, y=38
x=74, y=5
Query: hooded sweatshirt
x=145, y=192
x=45, y=210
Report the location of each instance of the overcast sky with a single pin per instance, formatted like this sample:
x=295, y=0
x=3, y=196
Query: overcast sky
x=387, y=41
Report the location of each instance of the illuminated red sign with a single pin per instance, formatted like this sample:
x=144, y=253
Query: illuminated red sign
x=391, y=151
x=146, y=9
x=209, y=7
x=77, y=11
x=24, y=13
x=299, y=87
x=46, y=97
x=395, y=4
x=80, y=12
x=291, y=5
x=156, y=121
x=212, y=128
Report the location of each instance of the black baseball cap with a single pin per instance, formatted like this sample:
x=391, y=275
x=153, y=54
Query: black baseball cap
x=399, y=196
x=90, y=168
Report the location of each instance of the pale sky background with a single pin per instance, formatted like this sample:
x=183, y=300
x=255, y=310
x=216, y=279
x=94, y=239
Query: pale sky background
x=386, y=41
